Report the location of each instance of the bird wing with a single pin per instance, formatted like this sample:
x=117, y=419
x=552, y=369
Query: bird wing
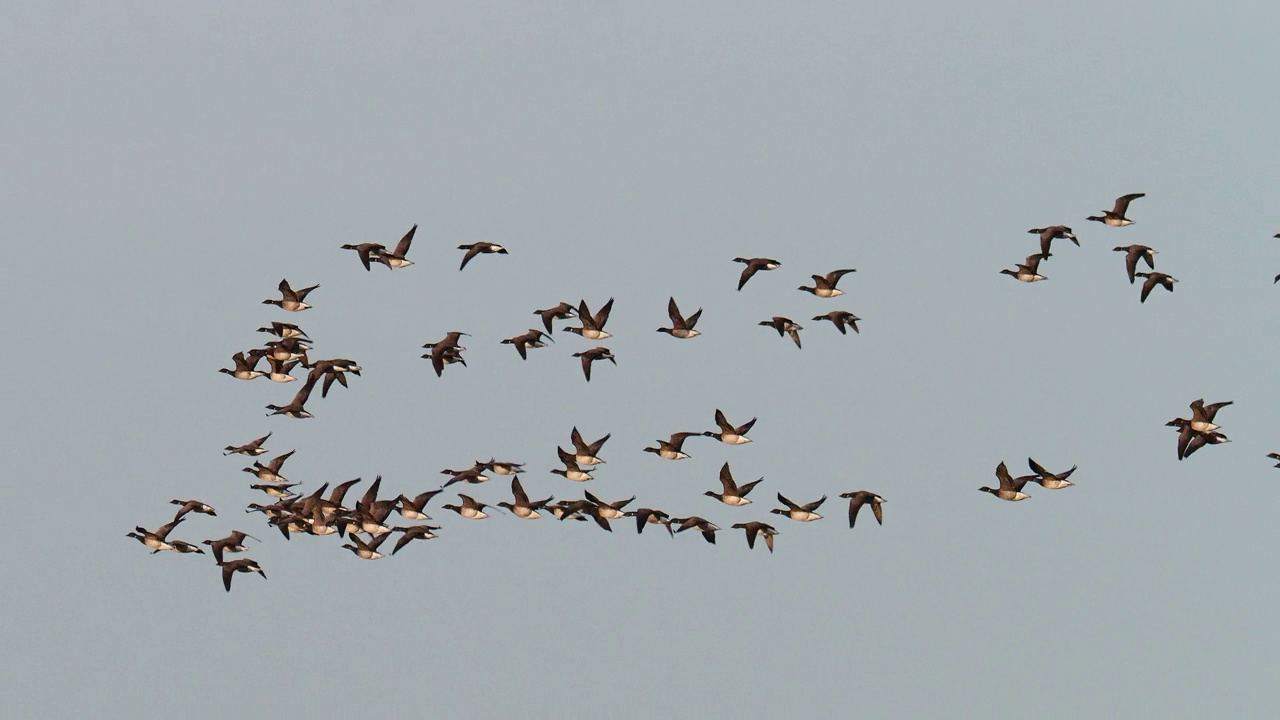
x=402, y=247
x=677, y=439
x=602, y=315
x=518, y=490
x=856, y=501
x=1211, y=411
x=277, y=462
x=1147, y=286
x=595, y=446
x=1131, y=262
x=834, y=276
x=1002, y=473
x=164, y=530
x=1122, y=203
x=472, y=251
x=547, y=316
x=726, y=479
x=1036, y=467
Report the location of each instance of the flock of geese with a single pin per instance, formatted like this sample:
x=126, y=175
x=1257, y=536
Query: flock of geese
x=1029, y=270
x=368, y=524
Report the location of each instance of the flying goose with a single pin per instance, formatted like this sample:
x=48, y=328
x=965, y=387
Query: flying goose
x=729, y=434
x=841, y=319
x=291, y=300
x=232, y=543
x=416, y=508
x=478, y=248
x=563, y=311
x=523, y=507
x=192, y=506
x=1115, y=217
x=244, y=366
x=590, y=356
x=681, y=327
x=251, y=448
x=1048, y=480
x=366, y=550
x=284, y=330
x=824, y=286
x=784, y=326
x=862, y=497
x=270, y=472
x=586, y=454
x=754, y=265
x=1027, y=271
x=649, y=516
x=470, y=509
x=609, y=511
x=1051, y=233
x=1153, y=279
x=672, y=449
x=1010, y=488
x=758, y=528
x=702, y=525
x=295, y=408
x=592, y=325
x=1132, y=254
x=797, y=512
x=731, y=493
x=235, y=566
x=416, y=532
x=157, y=540
x=500, y=467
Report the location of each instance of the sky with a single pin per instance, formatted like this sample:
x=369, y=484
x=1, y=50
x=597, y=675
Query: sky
x=167, y=165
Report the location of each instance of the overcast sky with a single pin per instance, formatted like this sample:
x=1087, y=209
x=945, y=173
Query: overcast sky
x=165, y=166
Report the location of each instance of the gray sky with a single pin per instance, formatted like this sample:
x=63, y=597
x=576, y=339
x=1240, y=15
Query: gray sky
x=166, y=166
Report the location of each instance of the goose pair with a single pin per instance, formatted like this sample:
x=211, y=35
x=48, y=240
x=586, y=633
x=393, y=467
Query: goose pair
x=572, y=468
x=1010, y=488
x=446, y=351
x=527, y=341
x=1199, y=430
x=375, y=252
